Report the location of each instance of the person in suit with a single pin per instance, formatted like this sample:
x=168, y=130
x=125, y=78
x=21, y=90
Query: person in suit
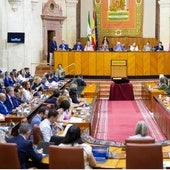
x=78, y=46
x=11, y=101
x=3, y=108
x=53, y=99
x=159, y=47
x=25, y=148
x=63, y=46
x=73, y=139
x=7, y=80
x=118, y=47
x=52, y=48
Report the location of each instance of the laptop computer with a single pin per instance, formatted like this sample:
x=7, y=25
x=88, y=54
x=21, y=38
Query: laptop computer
x=100, y=153
x=45, y=146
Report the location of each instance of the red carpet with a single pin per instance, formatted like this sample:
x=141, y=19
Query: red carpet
x=118, y=120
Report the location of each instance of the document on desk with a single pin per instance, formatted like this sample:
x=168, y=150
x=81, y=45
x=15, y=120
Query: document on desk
x=75, y=120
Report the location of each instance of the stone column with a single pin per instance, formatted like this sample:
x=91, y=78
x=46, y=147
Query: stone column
x=165, y=22
x=71, y=22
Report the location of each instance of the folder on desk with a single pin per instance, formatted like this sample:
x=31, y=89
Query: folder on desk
x=45, y=146
x=100, y=153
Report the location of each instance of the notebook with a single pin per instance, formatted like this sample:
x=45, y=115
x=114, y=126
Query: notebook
x=45, y=146
x=100, y=153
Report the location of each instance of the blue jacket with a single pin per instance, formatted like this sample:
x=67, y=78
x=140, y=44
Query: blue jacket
x=78, y=47
x=8, y=82
x=52, y=46
x=9, y=105
x=64, y=47
x=26, y=152
x=3, y=109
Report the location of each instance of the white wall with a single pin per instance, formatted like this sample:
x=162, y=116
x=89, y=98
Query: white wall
x=149, y=18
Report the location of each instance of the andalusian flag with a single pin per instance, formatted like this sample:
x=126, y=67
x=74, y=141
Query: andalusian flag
x=93, y=35
x=89, y=31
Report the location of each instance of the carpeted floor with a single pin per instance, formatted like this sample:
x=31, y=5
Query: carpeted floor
x=118, y=120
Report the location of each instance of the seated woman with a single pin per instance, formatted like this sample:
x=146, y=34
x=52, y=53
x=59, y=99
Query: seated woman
x=105, y=44
x=134, y=47
x=119, y=47
x=147, y=47
x=74, y=95
x=73, y=139
x=141, y=130
x=88, y=46
x=163, y=82
x=60, y=72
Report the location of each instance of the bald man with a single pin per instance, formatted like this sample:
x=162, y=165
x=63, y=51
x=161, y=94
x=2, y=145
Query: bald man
x=3, y=108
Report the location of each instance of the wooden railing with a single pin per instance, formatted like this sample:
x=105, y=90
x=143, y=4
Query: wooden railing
x=70, y=71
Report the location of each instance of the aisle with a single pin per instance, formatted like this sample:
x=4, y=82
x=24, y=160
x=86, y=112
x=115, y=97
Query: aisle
x=118, y=120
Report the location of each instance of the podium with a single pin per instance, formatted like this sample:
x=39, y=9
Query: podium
x=119, y=68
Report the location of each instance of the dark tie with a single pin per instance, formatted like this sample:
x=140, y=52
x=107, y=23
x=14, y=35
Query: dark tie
x=11, y=102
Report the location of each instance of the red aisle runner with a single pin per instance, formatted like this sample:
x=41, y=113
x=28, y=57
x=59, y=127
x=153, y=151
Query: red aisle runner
x=118, y=120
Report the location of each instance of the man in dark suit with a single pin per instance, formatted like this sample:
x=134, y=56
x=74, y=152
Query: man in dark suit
x=52, y=48
x=78, y=46
x=159, y=47
x=3, y=108
x=11, y=101
x=25, y=148
x=63, y=46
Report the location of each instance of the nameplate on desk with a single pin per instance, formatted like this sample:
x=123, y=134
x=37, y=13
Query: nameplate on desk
x=118, y=62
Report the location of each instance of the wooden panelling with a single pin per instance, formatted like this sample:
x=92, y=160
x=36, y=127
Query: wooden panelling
x=99, y=63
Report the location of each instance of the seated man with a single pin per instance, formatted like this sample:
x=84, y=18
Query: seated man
x=63, y=46
x=159, y=47
x=78, y=46
x=11, y=101
x=3, y=108
x=49, y=128
x=118, y=47
x=25, y=148
x=53, y=99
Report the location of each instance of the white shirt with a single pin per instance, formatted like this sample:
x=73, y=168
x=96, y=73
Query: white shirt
x=46, y=130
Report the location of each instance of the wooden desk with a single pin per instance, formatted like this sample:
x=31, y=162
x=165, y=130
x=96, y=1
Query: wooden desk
x=85, y=121
x=162, y=114
x=148, y=91
x=99, y=63
x=90, y=90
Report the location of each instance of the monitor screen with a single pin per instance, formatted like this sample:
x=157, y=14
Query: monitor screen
x=16, y=37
